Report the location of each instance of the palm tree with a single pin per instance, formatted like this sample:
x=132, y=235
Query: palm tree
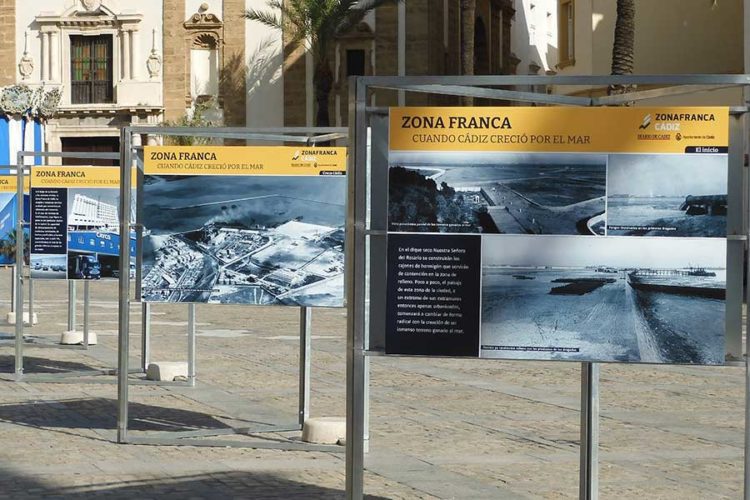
x=316, y=23
x=623, y=54
x=8, y=246
x=468, y=19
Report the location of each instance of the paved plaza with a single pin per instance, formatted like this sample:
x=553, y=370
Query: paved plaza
x=440, y=428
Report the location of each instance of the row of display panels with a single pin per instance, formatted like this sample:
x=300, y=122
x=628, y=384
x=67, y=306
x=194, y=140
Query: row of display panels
x=532, y=233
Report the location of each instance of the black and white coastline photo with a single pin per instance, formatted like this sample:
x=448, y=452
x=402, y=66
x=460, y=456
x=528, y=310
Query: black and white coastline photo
x=667, y=195
x=244, y=239
x=513, y=193
x=626, y=299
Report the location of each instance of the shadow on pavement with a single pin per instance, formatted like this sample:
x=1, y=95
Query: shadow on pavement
x=33, y=364
x=250, y=485
x=101, y=413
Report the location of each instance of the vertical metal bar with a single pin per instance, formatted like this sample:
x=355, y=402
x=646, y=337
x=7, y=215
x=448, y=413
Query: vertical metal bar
x=19, y=269
x=31, y=300
x=145, y=335
x=191, y=345
x=735, y=247
x=13, y=289
x=123, y=323
x=355, y=292
x=86, y=314
x=72, y=305
x=305, y=344
x=588, y=488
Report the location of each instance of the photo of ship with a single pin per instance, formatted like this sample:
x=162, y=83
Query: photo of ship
x=512, y=193
x=618, y=299
x=667, y=195
x=244, y=240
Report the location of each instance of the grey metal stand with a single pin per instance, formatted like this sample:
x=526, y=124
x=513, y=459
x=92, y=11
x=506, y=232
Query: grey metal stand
x=72, y=299
x=303, y=135
x=145, y=336
x=362, y=92
x=305, y=343
x=86, y=299
x=31, y=301
x=13, y=289
x=588, y=486
x=191, y=345
x=17, y=291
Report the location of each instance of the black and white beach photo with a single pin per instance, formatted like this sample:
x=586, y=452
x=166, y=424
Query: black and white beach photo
x=514, y=193
x=628, y=299
x=667, y=195
x=244, y=239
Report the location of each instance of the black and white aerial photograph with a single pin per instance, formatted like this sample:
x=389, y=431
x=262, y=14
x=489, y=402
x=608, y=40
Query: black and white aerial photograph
x=244, y=240
x=620, y=299
x=667, y=195
x=513, y=193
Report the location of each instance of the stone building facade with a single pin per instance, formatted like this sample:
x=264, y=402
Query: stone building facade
x=121, y=62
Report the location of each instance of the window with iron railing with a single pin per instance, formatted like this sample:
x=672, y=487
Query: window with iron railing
x=91, y=69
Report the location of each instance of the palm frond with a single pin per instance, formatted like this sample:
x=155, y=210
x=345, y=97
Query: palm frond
x=270, y=19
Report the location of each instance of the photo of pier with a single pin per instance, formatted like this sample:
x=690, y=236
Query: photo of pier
x=617, y=299
x=511, y=193
x=667, y=195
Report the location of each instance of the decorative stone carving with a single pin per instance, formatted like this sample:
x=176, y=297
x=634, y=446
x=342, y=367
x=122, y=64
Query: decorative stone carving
x=153, y=63
x=50, y=102
x=16, y=99
x=91, y=5
x=26, y=64
x=203, y=20
x=22, y=100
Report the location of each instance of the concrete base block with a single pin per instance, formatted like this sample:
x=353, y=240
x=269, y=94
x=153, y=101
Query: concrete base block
x=324, y=430
x=11, y=318
x=74, y=337
x=167, y=371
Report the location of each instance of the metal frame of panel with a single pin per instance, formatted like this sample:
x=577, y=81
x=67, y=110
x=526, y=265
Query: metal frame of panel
x=365, y=234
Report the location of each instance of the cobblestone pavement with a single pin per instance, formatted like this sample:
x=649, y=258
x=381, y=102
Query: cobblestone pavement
x=439, y=428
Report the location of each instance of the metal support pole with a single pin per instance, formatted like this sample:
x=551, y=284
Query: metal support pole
x=123, y=323
x=18, y=275
x=13, y=289
x=305, y=344
x=588, y=489
x=31, y=300
x=191, y=345
x=86, y=314
x=145, y=335
x=71, y=305
x=355, y=292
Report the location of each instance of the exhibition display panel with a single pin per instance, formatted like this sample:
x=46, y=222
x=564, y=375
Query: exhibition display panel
x=75, y=223
x=242, y=225
x=578, y=234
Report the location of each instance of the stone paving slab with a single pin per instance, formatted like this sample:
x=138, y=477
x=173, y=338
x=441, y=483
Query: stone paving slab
x=439, y=428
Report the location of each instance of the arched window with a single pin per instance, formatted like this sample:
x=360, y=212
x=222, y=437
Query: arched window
x=204, y=67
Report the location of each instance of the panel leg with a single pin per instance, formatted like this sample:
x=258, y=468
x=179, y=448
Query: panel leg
x=145, y=335
x=86, y=314
x=191, y=345
x=589, y=474
x=305, y=344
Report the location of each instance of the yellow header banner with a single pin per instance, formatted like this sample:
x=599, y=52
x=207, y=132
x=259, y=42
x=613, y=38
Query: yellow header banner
x=560, y=129
x=244, y=160
x=78, y=177
x=9, y=183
